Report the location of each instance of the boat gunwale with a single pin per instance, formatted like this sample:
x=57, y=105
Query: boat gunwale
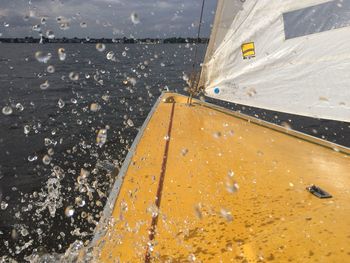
x=297, y=134
x=113, y=195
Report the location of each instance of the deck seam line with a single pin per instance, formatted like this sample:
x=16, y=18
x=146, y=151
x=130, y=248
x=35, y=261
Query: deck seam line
x=160, y=186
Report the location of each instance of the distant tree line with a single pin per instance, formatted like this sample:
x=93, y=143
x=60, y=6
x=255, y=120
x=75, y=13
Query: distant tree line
x=106, y=40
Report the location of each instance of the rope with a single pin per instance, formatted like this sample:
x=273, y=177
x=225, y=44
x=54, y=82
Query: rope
x=194, y=82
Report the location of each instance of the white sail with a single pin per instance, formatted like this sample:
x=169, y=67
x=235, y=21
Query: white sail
x=283, y=55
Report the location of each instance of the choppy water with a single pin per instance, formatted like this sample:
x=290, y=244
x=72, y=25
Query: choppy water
x=40, y=170
x=54, y=177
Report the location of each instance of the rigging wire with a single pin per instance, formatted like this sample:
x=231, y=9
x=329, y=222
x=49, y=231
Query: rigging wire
x=194, y=80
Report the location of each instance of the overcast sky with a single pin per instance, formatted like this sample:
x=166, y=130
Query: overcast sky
x=105, y=18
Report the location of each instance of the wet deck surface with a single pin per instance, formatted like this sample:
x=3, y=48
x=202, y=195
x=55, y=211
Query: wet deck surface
x=228, y=190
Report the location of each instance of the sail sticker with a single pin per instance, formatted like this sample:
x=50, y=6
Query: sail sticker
x=248, y=50
x=316, y=19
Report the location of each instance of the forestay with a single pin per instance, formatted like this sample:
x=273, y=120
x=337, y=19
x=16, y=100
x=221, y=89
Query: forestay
x=283, y=55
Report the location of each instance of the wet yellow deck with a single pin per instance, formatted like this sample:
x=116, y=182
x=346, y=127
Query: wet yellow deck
x=261, y=213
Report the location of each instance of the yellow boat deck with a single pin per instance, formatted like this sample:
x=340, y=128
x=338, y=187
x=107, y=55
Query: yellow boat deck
x=208, y=185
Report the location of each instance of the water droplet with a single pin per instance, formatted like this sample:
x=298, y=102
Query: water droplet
x=62, y=54
x=198, y=211
x=50, y=69
x=7, y=110
x=26, y=129
x=19, y=107
x=74, y=76
x=184, y=152
x=32, y=158
x=74, y=101
x=106, y=98
x=321, y=98
x=101, y=137
x=153, y=210
x=83, y=25
x=230, y=173
x=231, y=186
x=64, y=25
x=42, y=57
x=50, y=34
x=24, y=232
x=130, y=123
x=192, y=258
x=100, y=47
x=94, y=107
x=286, y=125
x=45, y=85
x=124, y=206
x=135, y=18
x=50, y=152
x=79, y=201
x=36, y=28
x=251, y=92
x=6, y=24
x=132, y=81
x=69, y=211
x=166, y=137
x=124, y=54
x=217, y=135
x=61, y=103
x=3, y=205
x=110, y=55
x=226, y=214
x=47, y=159
x=43, y=20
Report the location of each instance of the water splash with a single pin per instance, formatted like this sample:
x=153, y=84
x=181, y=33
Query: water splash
x=50, y=34
x=7, y=110
x=45, y=85
x=61, y=103
x=101, y=137
x=42, y=57
x=62, y=54
x=135, y=18
x=100, y=47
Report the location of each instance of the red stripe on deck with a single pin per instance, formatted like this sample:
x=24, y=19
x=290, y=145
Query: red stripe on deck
x=160, y=187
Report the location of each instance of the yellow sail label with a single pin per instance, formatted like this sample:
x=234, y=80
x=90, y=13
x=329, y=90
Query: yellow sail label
x=248, y=50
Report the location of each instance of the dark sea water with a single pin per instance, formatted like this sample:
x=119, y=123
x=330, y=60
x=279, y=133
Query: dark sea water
x=47, y=200
x=34, y=195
